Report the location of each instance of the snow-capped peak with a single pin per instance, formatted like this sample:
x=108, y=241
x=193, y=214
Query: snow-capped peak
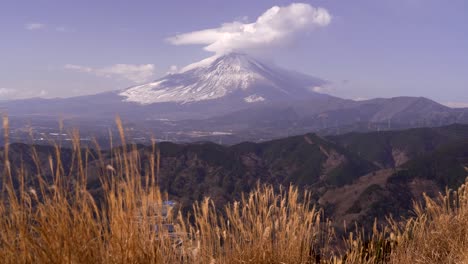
x=232, y=60
x=200, y=64
x=234, y=75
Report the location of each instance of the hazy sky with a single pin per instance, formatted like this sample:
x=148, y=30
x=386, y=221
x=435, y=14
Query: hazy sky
x=365, y=48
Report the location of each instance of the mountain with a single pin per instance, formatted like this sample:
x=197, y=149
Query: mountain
x=332, y=115
x=242, y=98
x=228, y=77
x=390, y=149
x=347, y=174
x=191, y=171
x=397, y=109
x=214, y=86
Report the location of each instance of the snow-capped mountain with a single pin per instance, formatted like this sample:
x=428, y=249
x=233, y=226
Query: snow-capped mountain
x=235, y=76
x=214, y=86
x=236, y=92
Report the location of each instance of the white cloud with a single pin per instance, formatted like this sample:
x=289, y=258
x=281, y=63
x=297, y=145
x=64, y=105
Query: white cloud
x=41, y=26
x=172, y=69
x=42, y=93
x=456, y=104
x=78, y=68
x=34, y=26
x=134, y=73
x=7, y=93
x=11, y=94
x=61, y=29
x=275, y=26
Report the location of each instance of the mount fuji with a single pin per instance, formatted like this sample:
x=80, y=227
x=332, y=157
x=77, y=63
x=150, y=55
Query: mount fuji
x=214, y=86
x=234, y=77
x=242, y=95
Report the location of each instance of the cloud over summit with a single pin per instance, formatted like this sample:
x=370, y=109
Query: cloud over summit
x=273, y=27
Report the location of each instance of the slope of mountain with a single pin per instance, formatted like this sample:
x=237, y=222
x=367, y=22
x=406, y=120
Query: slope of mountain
x=389, y=149
x=415, y=161
x=447, y=166
x=392, y=191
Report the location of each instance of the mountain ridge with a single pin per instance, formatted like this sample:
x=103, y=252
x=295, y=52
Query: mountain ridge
x=240, y=95
x=341, y=171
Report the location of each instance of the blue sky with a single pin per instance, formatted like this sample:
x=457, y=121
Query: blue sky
x=368, y=49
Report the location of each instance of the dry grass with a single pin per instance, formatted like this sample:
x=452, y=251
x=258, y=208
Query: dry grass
x=61, y=222
x=266, y=226
x=439, y=233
